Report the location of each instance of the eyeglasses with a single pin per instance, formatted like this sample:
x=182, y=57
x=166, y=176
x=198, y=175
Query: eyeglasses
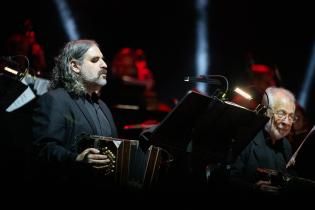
x=281, y=114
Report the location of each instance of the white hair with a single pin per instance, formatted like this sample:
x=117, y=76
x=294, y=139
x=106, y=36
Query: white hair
x=269, y=97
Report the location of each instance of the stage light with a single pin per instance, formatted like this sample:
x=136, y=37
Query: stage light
x=243, y=93
x=305, y=90
x=67, y=20
x=202, y=58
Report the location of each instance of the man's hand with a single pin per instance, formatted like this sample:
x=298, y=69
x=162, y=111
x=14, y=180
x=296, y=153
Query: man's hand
x=266, y=186
x=93, y=157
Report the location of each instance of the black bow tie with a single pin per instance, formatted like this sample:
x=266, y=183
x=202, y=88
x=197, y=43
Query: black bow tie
x=92, y=98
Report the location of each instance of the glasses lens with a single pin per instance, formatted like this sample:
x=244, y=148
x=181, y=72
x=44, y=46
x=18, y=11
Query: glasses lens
x=282, y=115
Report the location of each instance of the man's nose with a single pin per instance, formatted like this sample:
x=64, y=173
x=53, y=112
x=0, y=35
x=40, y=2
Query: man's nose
x=287, y=120
x=103, y=64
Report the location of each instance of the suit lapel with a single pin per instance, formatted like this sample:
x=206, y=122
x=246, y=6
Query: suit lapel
x=79, y=102
x=260, y=149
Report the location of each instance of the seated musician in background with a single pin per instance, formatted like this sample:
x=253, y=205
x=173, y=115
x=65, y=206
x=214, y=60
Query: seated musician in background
x=133, y=77
x=25, y=43
x=269, y=149
x=303, y=150
x=72, y=107
x=27, y=56
x=131, y=92
x=131, y=66
x=300, y=127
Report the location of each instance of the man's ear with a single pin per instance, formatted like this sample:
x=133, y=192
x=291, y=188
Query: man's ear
x=74, y=65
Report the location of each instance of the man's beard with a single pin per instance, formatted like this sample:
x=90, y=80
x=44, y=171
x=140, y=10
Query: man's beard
x=273, y=131
x=99, y=81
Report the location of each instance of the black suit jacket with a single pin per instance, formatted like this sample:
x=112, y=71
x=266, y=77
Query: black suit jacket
x=259, y=154
x=57, y=120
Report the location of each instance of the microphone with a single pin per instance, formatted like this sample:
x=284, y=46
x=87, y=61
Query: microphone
x=204, y=79
x=212, y=80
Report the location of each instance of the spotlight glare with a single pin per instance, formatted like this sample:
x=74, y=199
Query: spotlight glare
x=243, y=93
x=67, y=19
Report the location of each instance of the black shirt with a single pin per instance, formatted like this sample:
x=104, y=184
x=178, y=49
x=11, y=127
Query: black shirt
x=99, y=119
x=261, y=153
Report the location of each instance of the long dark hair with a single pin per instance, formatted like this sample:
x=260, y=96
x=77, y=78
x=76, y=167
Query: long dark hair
x=62, y=75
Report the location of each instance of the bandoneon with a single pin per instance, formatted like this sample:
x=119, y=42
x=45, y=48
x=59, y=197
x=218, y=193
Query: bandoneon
x=129, y=165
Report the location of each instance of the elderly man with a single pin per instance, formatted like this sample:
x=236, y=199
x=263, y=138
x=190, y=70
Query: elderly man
x=269, y=149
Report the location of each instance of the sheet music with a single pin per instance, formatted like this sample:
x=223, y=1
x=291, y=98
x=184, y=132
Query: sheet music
x=40, y=86
x=23, y=99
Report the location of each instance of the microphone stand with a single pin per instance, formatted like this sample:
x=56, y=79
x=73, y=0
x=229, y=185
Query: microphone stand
x=211, y=80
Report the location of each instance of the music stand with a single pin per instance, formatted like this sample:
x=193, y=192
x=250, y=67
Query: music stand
x=213, y=125
x=175, y=130
x=218, y=130
x=224, y=130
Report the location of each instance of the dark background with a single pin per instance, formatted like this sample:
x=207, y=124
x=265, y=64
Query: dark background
x=276, y=33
